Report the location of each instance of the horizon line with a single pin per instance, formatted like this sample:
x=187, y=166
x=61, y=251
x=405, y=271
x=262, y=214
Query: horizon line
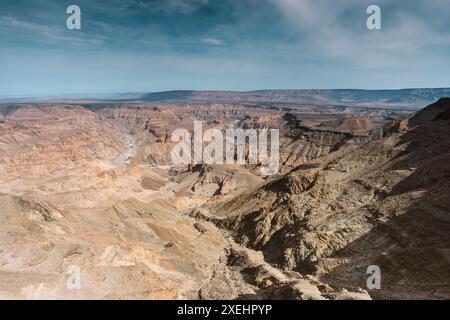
x=107, y=95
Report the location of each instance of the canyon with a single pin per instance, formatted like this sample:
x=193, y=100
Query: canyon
x=91, y=184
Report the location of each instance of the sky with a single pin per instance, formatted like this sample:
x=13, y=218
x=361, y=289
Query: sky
x=148, y=46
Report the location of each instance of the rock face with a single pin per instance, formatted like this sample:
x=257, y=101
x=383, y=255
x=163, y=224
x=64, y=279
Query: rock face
x=349, y=125
x=89, y=191
x=384, y=203
x=303, y=136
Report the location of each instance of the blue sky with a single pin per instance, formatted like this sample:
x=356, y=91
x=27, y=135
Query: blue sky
x=137, y=45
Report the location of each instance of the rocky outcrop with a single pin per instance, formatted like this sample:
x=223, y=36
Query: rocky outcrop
x=383, y=203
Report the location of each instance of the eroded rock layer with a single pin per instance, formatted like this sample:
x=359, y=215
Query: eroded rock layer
x=91, y=189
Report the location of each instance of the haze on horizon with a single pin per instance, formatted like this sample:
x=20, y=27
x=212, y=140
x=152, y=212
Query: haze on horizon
x=136, y=45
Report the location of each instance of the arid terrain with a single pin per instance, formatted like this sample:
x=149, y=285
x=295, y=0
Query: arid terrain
x=91, y=185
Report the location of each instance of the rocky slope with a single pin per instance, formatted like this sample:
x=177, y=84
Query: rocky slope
x=384, y=203
x=92, y=187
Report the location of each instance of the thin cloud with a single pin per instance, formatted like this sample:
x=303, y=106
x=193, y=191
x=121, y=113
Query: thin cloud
x=172, y=6
x=336, y=30
x=36, y=32
x=213, y=41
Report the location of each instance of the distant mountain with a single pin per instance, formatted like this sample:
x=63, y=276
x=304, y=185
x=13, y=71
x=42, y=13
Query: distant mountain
x=127, y=95
x=408, y=99
x=405, y=98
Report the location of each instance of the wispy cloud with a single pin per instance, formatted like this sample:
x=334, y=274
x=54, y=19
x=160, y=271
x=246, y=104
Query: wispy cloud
x=213, y=41
x=336, y=30
x=28, y=31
